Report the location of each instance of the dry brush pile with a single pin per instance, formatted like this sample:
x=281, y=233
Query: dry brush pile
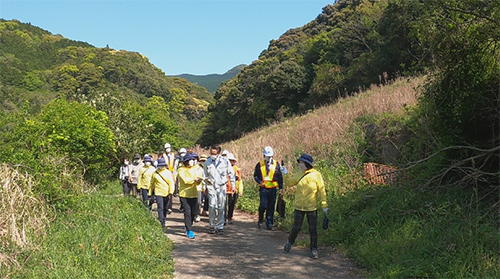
x=22, y=215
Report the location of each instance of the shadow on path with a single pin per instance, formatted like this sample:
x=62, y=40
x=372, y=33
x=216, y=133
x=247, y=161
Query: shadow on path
x=244, y=251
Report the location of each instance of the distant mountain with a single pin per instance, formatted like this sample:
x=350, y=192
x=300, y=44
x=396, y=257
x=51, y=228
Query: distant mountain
x=213, y=81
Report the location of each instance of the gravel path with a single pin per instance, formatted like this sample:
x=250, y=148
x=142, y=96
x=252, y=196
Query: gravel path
x=244, y=251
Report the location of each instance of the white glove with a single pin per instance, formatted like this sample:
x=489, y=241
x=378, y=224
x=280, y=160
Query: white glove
x=325, y=210
x=283, y=170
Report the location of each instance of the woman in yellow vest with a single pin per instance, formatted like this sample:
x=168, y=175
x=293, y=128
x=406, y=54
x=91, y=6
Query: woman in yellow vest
x=232, y=197
x=189, y=181
x=309, y=184
x=144, y=179
x=162, y=183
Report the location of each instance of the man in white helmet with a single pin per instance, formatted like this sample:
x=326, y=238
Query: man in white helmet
x=268, y=176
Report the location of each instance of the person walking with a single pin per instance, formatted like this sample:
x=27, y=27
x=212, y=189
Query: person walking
x=144, y=179
x=189, y=179
x=232, y=196
x=199, y=173
x=268, y=176
x=218, y=171
x=124, y=176
x=204, y=201
x=162, y=183
x=172, y=166
x=309, y=184
x=134, y=173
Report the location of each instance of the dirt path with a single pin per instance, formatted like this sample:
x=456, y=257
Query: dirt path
x=244, y=251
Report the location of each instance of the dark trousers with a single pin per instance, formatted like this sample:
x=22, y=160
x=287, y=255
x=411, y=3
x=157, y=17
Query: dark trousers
x=161, y=202
x=133, y=188
x=312, y=219
x=190, y=211
x=231, y=204
x=267, y=203
x=126, y=186
x=169, y=202
x=144, y=194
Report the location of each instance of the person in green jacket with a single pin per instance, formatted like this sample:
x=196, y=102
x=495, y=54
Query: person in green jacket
x=189, y=180
x=309, y=184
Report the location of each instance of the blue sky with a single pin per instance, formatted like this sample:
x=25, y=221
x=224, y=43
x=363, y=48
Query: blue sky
x=195, y=37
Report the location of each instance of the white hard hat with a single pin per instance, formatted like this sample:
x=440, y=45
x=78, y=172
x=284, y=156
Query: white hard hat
x=167, y=145
x=225, y=152
x=268, y=151
x=183, y=150
x=230, y=156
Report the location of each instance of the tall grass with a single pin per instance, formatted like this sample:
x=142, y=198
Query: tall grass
x=24, y=218
x=396, y=231
x=102, y=237
x=322, y=132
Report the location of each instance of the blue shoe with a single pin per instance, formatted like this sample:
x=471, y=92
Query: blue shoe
x=190, y=234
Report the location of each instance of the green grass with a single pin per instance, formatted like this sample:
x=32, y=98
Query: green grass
x=402, y=231
x=102, y=237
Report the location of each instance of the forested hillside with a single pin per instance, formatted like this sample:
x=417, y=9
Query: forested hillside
x=213, y=81
x=37, y=66
x=350, y=45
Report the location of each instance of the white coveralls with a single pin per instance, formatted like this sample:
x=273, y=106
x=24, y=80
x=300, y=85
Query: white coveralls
x=217, y=173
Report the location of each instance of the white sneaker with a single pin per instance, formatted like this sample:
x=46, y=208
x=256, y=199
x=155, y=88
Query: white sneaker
x=197, y=219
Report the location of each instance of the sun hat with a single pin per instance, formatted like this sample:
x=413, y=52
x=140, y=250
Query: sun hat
x=230, y=157
x=268, y=151
x=147, y=158
x=203, y=157
x=161, y=162
x=137, y=156
x=225, y=153
x=306, y=158
x=189, y=156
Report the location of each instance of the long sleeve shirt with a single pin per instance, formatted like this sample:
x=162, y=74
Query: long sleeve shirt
x=310, y=184
x=278, y=177
x=218, y=172
x=162, y=183
x=145, y=175
x=124, y=172
x=188, y=188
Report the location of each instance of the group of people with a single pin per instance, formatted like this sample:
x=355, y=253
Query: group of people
x=202, y=183
x=214, y=183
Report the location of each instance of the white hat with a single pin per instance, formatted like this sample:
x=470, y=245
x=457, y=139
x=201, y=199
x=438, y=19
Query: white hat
x=225, y=152
x=230, y=156
x=167, y=145
x=183, y=150
x=268, y=151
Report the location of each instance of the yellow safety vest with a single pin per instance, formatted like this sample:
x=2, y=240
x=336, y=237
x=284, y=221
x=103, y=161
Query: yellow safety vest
x=171, y=162
x=272, y=169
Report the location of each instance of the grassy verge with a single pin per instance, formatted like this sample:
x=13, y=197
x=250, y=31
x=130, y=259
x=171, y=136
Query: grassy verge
x=102, y=237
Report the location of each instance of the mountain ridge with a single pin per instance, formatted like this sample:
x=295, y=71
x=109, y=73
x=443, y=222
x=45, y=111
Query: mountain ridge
x=212, y=81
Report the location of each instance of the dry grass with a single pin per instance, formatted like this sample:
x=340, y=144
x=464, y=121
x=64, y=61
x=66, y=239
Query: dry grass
x=21, y=214
x=322, y=132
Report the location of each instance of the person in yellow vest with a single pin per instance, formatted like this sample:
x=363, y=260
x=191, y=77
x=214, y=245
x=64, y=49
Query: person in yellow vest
x=232, y=197
x=268, y=176
x=189, y=180
x=172, y=165
x=162, y=183
x=144, y=179
x=310, y=184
